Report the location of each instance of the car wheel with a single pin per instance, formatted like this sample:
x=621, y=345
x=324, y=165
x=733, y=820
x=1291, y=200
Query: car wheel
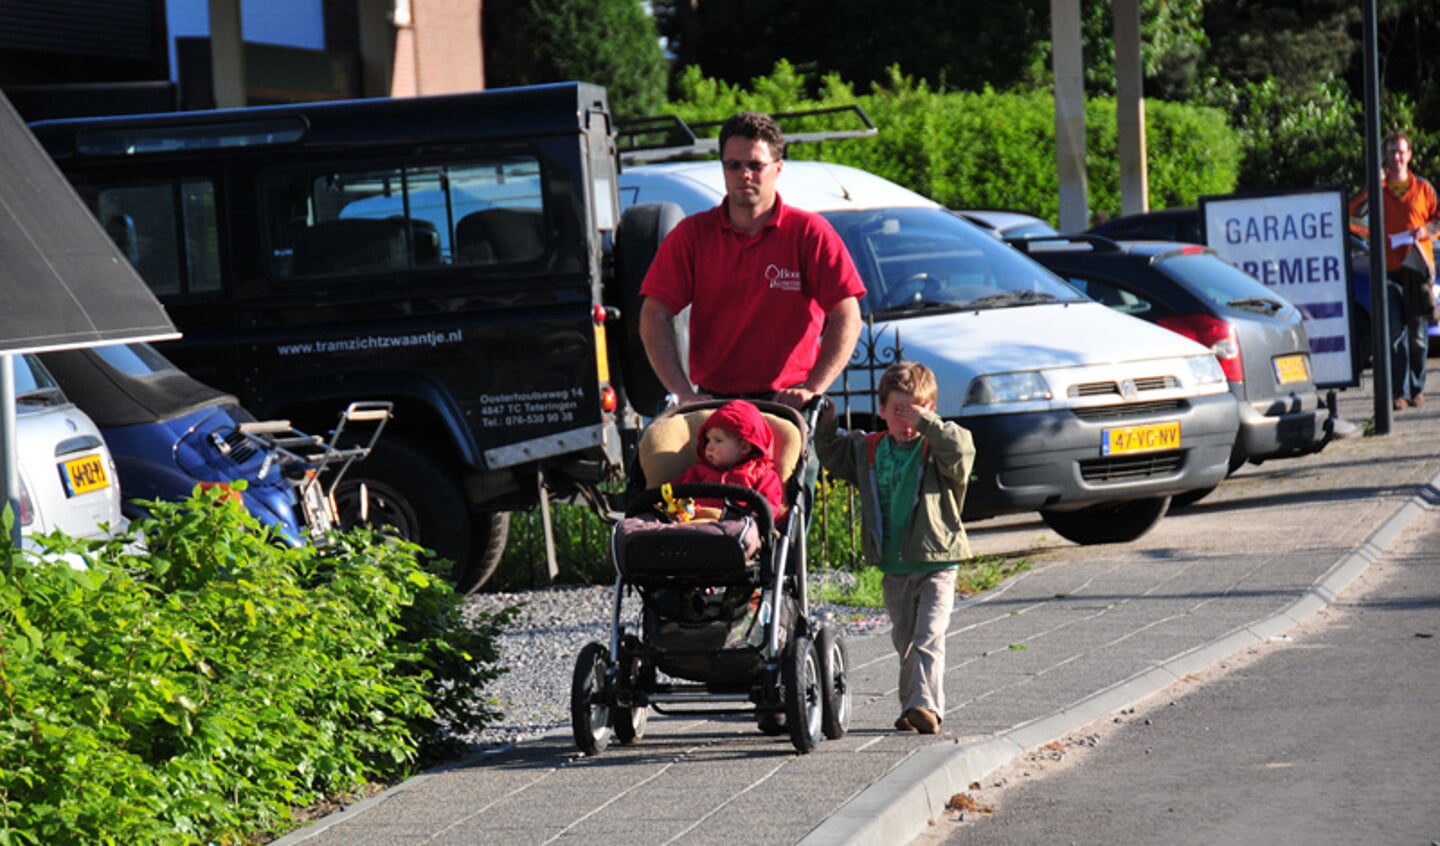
x=589, y=712
x=1114, y=522
x=407, y=491
x=1189, y=498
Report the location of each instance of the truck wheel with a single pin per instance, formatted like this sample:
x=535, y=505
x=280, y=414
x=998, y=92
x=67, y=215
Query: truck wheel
x=1114, y=522
x=411, y=494
x=489, y=530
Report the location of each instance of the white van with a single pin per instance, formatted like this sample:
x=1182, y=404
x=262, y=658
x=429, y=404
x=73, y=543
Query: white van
x=1092, y=417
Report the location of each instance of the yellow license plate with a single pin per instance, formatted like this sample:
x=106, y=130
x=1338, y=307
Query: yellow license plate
x=83, y=475
x=1148, y=438
x=1291, y=368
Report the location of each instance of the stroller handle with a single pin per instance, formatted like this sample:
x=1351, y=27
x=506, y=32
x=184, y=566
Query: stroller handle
x=748, y=499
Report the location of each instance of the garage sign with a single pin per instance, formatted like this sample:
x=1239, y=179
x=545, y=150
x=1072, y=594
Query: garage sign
x=1295, y=243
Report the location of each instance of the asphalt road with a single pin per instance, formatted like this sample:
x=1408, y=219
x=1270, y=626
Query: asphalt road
x=1328, y=734
x=1085, y=634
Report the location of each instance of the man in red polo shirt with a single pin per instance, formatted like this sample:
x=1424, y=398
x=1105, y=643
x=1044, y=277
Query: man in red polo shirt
x=773, y=293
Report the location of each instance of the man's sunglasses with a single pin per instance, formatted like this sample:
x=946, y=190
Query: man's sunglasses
x=752, y=166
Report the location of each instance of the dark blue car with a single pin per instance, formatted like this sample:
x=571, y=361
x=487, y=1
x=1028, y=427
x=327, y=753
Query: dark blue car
x=169, y=432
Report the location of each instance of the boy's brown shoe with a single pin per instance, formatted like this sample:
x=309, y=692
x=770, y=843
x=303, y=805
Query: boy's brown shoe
x=923, y=719
x=903, y=723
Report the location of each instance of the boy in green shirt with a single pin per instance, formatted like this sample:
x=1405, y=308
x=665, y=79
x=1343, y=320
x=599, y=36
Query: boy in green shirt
x=912, y=479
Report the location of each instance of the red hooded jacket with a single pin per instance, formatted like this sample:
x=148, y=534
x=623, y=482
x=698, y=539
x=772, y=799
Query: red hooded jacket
x=745, y=421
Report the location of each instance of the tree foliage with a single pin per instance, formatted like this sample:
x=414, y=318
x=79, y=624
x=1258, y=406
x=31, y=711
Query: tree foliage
x=1297, y=43
x=610, y=42
x=964, y=44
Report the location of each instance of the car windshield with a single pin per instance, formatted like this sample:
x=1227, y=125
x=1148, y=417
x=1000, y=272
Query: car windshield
x=34, y=386
x=1217, y=281
x=924, y=259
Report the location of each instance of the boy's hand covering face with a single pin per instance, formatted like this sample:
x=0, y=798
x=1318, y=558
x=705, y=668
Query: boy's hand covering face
x=901, y=414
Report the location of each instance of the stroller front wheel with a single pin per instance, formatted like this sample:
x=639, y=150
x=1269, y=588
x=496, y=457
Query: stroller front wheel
x=801, y=675
x=589, y=700
x=834, y=686
x=629, y=720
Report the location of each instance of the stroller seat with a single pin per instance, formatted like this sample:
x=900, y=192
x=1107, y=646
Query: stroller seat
x=651, y=551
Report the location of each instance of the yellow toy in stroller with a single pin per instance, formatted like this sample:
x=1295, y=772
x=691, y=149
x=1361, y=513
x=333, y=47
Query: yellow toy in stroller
x=723, y=623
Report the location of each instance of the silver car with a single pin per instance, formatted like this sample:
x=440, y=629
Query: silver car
x=67, y=476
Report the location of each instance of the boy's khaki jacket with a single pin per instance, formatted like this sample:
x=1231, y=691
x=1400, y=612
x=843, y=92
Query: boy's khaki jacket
x=934, y=532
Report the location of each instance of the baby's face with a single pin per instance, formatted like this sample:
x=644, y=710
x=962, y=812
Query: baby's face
x=724, y=449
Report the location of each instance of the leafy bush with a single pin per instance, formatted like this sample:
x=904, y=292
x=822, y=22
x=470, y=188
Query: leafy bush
x=985, y=149
x=204, y=688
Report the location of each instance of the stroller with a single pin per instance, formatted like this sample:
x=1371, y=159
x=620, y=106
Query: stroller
x=722, y=623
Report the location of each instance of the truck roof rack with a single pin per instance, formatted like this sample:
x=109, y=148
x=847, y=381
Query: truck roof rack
x=667, y=138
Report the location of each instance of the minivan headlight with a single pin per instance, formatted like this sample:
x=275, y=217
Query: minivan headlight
x=997, y=388
x=1205, y=369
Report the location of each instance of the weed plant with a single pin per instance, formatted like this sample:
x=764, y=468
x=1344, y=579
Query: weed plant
x=200, y=690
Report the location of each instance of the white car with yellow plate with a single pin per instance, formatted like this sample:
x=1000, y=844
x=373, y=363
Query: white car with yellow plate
x=67, y=476
x=1092, y=417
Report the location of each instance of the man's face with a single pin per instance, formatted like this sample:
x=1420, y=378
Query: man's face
x=750, y=173
x=1397, y=159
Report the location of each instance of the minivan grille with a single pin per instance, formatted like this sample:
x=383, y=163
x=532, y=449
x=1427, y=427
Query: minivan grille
x=1134, y=409
x=1102, y=389
x=1130, y=468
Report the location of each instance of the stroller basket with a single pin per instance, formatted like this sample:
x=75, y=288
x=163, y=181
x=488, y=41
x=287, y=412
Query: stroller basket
x=651, y=552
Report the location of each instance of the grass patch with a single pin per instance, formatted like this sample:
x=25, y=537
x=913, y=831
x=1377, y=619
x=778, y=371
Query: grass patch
x=861, y=588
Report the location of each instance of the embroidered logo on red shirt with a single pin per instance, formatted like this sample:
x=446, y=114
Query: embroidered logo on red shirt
x=784, y=280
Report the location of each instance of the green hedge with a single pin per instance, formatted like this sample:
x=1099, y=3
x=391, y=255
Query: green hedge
x=988, y=149
x=201, y=691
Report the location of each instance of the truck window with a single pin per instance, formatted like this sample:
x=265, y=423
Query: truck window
x=325, y=222
x=167, y=228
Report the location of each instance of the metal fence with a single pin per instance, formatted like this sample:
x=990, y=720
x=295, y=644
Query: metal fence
x=834, y=537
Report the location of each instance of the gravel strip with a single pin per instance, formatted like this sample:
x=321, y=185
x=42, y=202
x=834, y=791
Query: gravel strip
x=541, y=644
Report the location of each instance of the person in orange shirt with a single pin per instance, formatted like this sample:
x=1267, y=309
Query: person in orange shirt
x=1412, y=219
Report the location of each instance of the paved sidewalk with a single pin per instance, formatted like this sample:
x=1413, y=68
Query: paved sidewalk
x=1086, y=631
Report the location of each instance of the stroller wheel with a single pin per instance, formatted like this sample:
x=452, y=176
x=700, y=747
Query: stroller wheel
x=834, y=687
x=801, y=675
x=629, y=721
x=589, y=700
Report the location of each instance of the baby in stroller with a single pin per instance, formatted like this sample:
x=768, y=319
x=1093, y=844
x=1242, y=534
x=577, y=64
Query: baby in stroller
x=723, y=623
x=735, y=447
